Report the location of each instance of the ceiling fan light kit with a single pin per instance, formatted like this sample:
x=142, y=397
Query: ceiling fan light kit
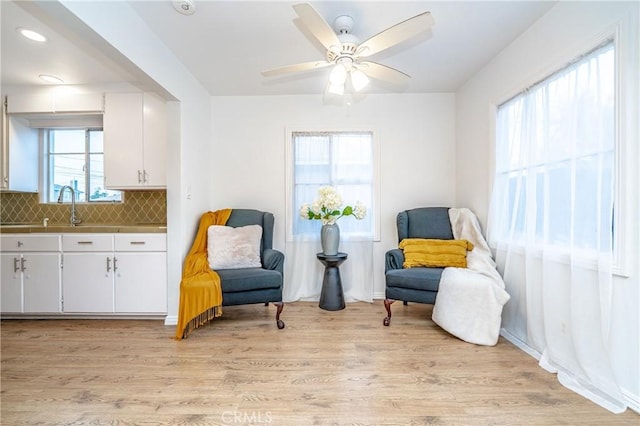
x=345, y=53
x=336, y=89
x=338, y=74
x=359, y=80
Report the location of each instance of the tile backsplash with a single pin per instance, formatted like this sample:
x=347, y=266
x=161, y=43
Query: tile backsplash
x=139, y=207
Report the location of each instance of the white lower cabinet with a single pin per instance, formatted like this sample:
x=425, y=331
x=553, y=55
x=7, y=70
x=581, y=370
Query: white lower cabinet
x=83, y=274
x=87, y=273
x=121, y=273
x=30, y=274
x=87, y=285
x=141, y=273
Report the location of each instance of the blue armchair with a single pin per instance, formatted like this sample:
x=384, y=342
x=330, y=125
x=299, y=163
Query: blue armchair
x=415, y=284
x=255, y=285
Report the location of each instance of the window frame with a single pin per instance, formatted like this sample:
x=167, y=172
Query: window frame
x=45, y=165
x=291, y=210
x=626, y=88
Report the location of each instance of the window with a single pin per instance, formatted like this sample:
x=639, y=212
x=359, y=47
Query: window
x=344, y=160
x=75, y=157
x=555, y=158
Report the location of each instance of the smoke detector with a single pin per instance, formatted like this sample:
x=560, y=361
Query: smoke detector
x=185, y=7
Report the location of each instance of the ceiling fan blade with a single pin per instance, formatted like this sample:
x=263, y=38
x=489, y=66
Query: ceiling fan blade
x=318, y=26
x=395, y=34
x=383, y=72
x=305, y=66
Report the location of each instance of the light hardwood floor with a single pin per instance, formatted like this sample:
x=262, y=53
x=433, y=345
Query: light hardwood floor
x=324, y=368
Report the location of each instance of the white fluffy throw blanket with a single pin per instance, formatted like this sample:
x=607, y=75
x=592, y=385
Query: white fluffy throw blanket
x=469, y=301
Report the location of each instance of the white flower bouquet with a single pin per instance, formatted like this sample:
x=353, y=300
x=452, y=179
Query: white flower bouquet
x=328, y=207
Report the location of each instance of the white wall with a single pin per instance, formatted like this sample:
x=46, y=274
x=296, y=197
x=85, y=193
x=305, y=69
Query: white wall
x=417, y=141
x=188, y=192
x=567, y=30
x=419, y=164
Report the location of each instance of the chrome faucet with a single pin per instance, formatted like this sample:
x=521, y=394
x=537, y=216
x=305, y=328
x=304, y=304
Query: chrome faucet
x=74, y=221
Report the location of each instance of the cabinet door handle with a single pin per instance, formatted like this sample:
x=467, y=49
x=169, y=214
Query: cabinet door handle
x=139, y=176
x=22, y=267
x=16, y=268
x=108, y=264
x=145, y=176
x=115, y=266
x=20, y=243
x=137, y=243
x=85, y=242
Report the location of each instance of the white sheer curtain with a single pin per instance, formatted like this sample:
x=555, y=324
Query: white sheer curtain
x=551, y=222
x=343, y=160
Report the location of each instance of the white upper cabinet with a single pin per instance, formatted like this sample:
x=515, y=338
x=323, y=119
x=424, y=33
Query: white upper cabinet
x=80, y=102
x=18, y=155
x=30, y=104
x=135, y=141
x=22, y=115
x=55, y=103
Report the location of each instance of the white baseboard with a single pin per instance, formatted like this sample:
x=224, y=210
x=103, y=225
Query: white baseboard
x=633, y=401
x=378, y=295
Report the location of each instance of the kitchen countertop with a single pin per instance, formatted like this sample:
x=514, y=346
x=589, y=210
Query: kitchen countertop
x=92, y=228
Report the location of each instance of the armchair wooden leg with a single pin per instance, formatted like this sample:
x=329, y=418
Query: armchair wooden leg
x=279, y=322
x=387, y=306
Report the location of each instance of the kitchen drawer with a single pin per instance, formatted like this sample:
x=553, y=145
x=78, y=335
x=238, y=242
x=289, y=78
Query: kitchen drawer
x=141, y=242
x=87, y=242
x=22, y=242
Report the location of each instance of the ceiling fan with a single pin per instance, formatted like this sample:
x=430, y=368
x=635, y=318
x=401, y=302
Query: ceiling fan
x=347, y=55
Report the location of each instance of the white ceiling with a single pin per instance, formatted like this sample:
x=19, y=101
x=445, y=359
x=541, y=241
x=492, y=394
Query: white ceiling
x=65, y=54
x=226, y=44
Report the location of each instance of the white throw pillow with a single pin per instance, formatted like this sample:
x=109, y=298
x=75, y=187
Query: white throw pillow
x=232, y=248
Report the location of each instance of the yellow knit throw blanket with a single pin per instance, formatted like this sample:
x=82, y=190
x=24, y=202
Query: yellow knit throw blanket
x=200, y=291
x=420, y=252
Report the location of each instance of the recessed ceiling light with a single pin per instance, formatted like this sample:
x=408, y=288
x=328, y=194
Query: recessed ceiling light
x=31, y=35
x=51, y=79
x=185, y=7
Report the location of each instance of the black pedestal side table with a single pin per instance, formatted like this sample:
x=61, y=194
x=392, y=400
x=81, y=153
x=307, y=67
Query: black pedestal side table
x=332, y=296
